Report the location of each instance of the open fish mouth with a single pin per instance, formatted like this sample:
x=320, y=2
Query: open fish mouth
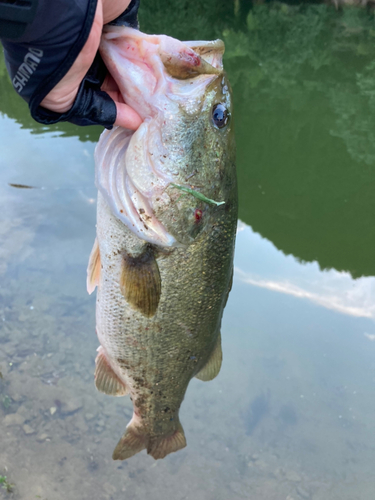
x=162, y=79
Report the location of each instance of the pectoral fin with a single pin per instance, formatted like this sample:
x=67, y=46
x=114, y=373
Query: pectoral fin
x=212, y=367
x=106, y=379
x=93, y=269
x=140, y=281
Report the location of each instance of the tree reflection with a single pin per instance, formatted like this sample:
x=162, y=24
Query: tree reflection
x=304, y=87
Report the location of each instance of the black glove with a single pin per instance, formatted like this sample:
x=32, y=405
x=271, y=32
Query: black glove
x=91, y=106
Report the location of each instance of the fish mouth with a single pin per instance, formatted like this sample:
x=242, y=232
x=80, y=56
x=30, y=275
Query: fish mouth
x=154, y=74
x=181, y=60
x=152, y=70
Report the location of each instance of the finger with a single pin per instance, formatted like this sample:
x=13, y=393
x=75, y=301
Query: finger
x=110, y=86
x=127, y=117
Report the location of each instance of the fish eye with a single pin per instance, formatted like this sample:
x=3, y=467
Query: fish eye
x=220, y=115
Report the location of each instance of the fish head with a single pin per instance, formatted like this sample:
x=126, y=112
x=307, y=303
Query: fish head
x=163, y=180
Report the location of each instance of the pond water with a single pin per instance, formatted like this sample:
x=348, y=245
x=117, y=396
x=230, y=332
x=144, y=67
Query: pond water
x=291, y=414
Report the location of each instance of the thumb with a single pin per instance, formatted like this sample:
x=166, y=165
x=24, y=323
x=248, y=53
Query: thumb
x=127, y=117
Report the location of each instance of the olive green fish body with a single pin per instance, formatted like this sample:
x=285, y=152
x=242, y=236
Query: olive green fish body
x=163, y=257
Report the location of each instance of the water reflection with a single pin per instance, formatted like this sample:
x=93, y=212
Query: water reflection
x=303, y=87
x=274, y=271
x=304, y=96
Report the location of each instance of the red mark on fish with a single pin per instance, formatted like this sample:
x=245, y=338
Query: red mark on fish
x=198, y=214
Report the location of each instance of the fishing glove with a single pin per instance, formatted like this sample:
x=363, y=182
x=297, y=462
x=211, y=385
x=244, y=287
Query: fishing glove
x=39, y=58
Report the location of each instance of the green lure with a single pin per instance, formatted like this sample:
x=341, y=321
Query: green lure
x=200, y=196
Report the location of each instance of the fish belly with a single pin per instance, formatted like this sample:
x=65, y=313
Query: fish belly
x=154, y=358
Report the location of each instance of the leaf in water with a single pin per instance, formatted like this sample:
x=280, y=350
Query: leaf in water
x=21, y=186
x=5, y=484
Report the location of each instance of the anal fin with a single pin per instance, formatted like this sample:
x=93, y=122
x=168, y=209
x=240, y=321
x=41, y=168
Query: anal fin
x=106, y=379
x=212, y=368
x=140, y=281
x=93, y=269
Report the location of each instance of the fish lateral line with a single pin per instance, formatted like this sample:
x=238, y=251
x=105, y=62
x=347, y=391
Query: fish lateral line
x=198, y=195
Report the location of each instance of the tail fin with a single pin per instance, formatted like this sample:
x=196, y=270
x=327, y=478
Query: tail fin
x=161, y=446
x=132, y=442
x=135, y=440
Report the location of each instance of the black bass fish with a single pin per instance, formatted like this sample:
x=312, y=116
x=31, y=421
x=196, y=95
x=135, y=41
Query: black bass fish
x=166, y=224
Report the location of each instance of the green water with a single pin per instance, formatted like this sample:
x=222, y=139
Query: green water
x=290, y=416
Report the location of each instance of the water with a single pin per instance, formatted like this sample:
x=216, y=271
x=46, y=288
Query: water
x=290, y=416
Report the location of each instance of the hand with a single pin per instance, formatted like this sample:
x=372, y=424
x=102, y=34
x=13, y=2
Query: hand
x=61, y=97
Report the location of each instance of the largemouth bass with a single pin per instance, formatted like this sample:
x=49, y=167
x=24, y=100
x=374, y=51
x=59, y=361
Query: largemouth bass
x=166, y=222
